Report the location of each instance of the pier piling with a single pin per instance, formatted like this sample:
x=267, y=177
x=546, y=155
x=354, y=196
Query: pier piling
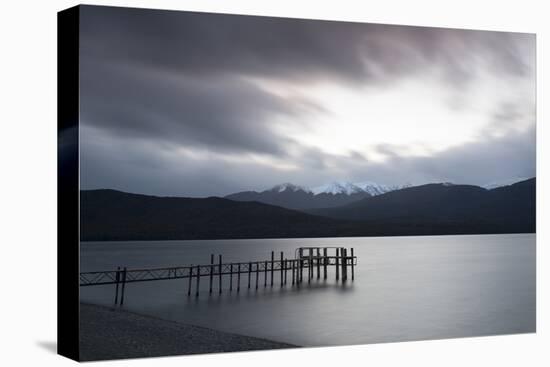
x=249, y=273
x=352, y=265
x=117, y=280
x=239, y=278
x=198, y=280
x=211, y=271
x=337, y=264
x=231, y=277
x=220, y=274
x=190, y=279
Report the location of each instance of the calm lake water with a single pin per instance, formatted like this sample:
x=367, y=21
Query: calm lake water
x=405, y=288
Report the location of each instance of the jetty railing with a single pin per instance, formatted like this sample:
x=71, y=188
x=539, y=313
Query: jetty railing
x=306, y=259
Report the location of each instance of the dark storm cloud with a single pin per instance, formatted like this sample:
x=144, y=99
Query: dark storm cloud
x=223, y=113
x=297, y=48
x=156, y=82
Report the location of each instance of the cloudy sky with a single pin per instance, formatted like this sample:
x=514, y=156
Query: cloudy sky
x=194, y=104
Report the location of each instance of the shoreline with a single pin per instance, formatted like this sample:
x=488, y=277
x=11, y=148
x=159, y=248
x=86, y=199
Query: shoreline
x=111, y=333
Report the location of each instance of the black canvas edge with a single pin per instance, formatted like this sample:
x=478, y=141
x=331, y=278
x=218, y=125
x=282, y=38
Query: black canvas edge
x=68, y=217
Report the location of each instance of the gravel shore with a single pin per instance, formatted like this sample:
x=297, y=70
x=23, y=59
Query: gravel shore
x=108, y=333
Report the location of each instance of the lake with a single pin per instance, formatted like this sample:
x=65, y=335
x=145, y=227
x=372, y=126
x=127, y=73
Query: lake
x=405, y=288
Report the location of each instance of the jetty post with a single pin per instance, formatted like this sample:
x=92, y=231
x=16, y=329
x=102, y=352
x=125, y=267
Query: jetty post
x=123, y=286
x=325, y=261
x=282, y=267
x=231, y=277
x=344, y=264
x=272, y=263
x=337, y=267
x=257, y=275
x=249, y=273
x=211, y=271
x=220, y=272
x=318, y=263
x=190, y=279
x=352, y=265
x=117, y=280
x=239, y=278
x=301, y=265
x=286, y=268
x=293, y=263
x=265, y=274
x=198, y=280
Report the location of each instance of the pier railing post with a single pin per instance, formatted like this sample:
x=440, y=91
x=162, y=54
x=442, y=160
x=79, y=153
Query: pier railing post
x=198, y=280
x=249, y=273
x=281, y=268
x=344, y=264
x=318, y=263
x=309, y=265
x=272, y=266
x=123, y=286
x=190, y=280
x=265, y=274
x=286, y=268
x=220, y=274
x=239, y=278
x=325, y=261
x=293, y=265
x=231, y=277
x=211, y=271
x=117, y=280
x=337, y=264
x=257, y=274
x=352, y=265
x=300, y=266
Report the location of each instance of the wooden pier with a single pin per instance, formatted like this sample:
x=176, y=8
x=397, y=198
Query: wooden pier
x=314, y=261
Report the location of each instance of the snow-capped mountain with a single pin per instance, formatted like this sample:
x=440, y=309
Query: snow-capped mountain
x=337, y=188
x=334, y=194
x=290, y=187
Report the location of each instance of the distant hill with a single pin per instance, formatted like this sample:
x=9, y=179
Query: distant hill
x=507, y=208
x=114, y=215
x=297, y=197
x=433, y=209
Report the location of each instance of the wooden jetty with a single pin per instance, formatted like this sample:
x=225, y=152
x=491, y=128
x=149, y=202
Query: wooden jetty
x=314, y=261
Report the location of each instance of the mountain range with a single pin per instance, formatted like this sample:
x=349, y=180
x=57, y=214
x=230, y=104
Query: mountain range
x=432, y=209
x=288, y=195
